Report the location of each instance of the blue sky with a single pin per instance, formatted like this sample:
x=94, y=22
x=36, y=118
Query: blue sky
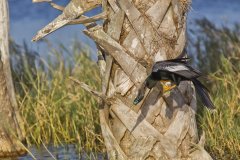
x=27, y=18
x=220, y=12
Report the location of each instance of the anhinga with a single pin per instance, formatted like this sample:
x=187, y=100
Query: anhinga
x=175, y=70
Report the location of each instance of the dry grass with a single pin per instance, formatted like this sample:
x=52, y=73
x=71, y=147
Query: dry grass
x=57, y=111
x=54, y=109
x=218, y=53
x=222, y=128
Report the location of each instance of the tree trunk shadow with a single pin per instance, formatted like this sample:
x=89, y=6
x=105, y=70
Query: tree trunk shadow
x=173, y=99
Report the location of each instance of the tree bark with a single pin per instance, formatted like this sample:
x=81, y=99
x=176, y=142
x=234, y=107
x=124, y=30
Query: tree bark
x=136, y=34
x=11, y=125
x=163, y=126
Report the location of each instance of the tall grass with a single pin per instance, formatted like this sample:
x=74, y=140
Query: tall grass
x=55, y=110
x=223, y=127
x=218, y=53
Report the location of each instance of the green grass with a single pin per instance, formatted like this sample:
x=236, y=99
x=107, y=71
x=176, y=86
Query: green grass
x=56, y=110
x=218, y=53
x=223, y=127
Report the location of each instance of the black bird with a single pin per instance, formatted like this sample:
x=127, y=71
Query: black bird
x=175, y=70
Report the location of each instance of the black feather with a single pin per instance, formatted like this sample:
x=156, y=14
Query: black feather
x=175, y=70
x=164, y=66
x=179, y=60
x=203, y=93
x=148, y=83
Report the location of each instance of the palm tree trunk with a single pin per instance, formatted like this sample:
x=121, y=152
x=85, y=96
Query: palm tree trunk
x=11, y=126
x=137, y=34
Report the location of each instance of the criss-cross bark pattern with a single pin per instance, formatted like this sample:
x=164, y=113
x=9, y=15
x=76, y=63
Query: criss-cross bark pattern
x=135, y=34
x=11, y=126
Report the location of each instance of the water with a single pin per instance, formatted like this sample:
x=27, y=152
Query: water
x=69, y=152
x=32, y=17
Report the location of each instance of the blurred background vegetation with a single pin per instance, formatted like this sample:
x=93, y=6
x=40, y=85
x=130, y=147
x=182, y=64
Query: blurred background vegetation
x=216, y=52
x=57, y=111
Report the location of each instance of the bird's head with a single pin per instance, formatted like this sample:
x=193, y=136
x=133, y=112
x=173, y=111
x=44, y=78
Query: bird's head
x=137, y=99
x=156, y=75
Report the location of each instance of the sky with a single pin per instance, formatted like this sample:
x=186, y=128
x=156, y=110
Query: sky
x=26, y=18
x=220, y=12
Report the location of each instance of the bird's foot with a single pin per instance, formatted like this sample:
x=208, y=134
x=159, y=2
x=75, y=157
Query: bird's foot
x=167, y=85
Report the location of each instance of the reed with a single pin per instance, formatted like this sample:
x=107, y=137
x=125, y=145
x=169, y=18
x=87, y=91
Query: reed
x=222, y=127
x=57, y=111
x=218, y=53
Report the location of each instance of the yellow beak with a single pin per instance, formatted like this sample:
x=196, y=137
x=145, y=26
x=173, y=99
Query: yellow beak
x=167, y=85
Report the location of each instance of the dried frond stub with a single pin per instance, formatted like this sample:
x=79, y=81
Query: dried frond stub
x=73, y=10
x=136, y=34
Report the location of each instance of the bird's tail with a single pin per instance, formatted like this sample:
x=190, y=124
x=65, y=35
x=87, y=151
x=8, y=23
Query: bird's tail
x=202, y=91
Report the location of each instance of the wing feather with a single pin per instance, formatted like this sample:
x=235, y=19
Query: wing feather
x=180, y=69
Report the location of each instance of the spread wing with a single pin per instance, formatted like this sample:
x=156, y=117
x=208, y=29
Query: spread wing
x=179, y=68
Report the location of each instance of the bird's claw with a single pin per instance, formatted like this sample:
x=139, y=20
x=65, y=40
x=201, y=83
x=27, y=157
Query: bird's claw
x=167, y=85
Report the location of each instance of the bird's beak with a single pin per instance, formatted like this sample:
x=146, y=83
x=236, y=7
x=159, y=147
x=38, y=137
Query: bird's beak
x=167, y=85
